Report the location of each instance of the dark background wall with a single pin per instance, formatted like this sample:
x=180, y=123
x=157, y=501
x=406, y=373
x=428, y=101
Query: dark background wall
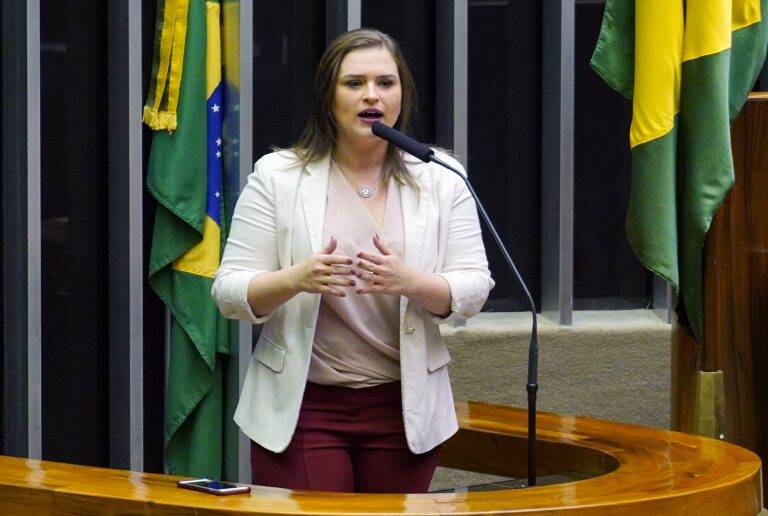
x=504, y=128
x=289, y=36
x=2, y=238
x=606, y=272
x=74, y=238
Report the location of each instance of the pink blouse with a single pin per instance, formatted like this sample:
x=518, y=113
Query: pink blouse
x=357, y=337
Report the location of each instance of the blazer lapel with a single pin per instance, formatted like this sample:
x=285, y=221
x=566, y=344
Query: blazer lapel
x=314, y=196
x=414, y=207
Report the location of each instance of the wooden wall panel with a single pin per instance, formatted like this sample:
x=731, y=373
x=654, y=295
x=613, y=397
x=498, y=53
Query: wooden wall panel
x=735, y=295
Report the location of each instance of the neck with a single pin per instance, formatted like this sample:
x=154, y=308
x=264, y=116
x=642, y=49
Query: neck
x=360, y=157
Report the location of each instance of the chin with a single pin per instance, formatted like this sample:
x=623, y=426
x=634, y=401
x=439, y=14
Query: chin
x=365, y=132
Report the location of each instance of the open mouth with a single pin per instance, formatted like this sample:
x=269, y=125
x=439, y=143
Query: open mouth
x=370, y=115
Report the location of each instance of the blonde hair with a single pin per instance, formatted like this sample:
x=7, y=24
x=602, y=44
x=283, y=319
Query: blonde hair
x=320, y=132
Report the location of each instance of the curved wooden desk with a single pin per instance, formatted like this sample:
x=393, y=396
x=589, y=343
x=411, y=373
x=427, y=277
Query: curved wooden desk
x=639, y=471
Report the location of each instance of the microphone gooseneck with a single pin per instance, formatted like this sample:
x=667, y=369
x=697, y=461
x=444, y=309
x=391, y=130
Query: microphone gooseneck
x=426, y=155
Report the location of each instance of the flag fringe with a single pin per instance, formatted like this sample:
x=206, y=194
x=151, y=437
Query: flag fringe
x=167, y=66
x=159, y=120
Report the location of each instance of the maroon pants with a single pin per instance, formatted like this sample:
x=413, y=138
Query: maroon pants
x=349, y=440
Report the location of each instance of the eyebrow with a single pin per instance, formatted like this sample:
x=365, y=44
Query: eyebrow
x=360, y=75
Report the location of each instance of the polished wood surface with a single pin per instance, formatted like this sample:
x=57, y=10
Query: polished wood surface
x=641, y=471
x=735, y=295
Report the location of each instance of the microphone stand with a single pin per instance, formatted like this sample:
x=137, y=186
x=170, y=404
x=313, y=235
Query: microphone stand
x=533, y=351
x=425, y=154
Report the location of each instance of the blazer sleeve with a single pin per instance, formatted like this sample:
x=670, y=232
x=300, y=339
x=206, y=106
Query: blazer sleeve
x=251, y=247
x=465, y=266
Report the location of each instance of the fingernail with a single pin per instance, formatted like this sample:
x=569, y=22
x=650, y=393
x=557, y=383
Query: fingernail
x=349, y=261
x=343, y=294
x=377, y=236
x=359, y=291
x=352, y=283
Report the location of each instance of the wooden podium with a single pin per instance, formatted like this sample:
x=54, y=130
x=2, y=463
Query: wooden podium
x=624, y=470
x=735, y=297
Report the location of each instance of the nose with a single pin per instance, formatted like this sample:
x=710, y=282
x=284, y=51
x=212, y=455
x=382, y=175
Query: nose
x=371, y=95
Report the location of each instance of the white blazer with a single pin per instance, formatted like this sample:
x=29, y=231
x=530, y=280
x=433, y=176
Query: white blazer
x=278, y=221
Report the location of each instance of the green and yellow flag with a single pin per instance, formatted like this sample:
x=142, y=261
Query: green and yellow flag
x=185, y=177
x=687, y=66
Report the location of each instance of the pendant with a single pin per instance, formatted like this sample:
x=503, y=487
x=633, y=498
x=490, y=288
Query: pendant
x=365, y=191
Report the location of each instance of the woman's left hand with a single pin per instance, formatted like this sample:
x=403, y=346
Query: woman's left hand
x=383, y=273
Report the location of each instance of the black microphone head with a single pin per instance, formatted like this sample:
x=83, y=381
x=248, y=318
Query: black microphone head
x=378, y=128
x=401, y=141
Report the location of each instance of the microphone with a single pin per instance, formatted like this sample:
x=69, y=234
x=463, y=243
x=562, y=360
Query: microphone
x=402, y=141
x=425, y=154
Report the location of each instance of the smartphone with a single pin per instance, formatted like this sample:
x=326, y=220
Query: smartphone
x=213, y=486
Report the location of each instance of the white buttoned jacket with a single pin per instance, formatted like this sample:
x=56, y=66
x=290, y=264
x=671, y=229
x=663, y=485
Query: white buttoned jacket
x=278, y=221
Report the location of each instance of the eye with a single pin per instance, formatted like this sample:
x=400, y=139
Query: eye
x=386, y=83
x=353, y=83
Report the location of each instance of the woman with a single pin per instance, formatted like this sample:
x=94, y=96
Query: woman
x=351, y=253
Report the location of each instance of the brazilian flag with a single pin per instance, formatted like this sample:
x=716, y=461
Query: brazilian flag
x=687, y=66
x=185, y=177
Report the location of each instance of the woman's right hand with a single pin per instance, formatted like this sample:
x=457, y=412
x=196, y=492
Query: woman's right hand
x=321, y=272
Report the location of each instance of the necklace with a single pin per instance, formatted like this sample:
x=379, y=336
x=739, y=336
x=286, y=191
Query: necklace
x=364, y=191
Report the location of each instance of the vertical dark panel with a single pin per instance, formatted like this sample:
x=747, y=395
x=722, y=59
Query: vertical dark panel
x=504, y=137
x=2, y=238
x=445, y=57
x=412, y=24
x=15, y=273
x=126, y=421
x=289, y=37
x=74, y=233
x=154, y=309
x=607, y=275
x=118, y=216
x=336, y=18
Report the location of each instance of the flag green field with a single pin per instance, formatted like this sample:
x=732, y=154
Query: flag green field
x=185, y=177
x=688, y=67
